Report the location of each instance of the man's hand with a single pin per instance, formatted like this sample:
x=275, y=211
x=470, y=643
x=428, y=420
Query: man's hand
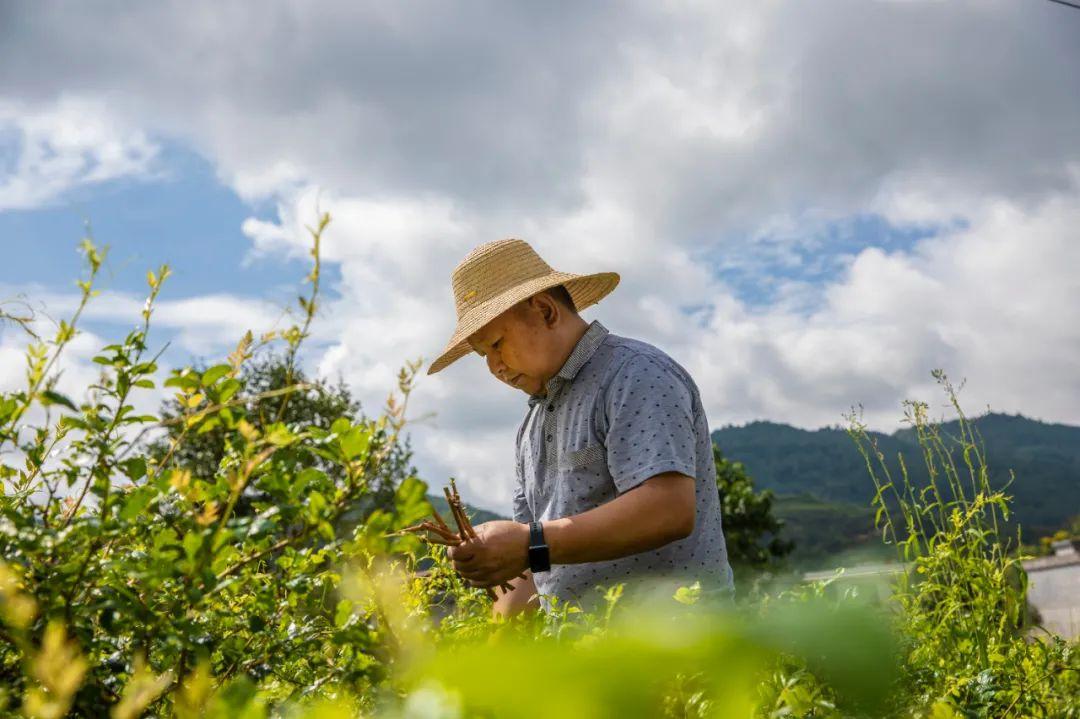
x=499, y=553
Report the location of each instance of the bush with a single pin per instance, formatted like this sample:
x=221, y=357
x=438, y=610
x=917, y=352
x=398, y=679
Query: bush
x=128, y=570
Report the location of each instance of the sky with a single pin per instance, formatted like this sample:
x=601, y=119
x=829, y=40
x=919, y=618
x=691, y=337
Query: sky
x=811, y=205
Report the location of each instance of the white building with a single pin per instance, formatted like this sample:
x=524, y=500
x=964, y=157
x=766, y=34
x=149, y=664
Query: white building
x=1054, y=589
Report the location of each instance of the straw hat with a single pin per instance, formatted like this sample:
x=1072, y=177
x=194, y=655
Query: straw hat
x=496, y=276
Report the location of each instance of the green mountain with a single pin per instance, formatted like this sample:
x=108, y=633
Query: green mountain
x=825, y=491
x=476, y=515
x=824, y=531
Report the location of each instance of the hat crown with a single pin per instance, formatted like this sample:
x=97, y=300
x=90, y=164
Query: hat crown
x=491, y=269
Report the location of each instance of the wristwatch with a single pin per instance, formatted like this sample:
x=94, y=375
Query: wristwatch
x=539, y=557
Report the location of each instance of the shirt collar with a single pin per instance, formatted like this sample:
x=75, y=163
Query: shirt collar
x=582, y=353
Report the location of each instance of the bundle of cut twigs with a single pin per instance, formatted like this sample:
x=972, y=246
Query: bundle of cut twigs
x=437, y=531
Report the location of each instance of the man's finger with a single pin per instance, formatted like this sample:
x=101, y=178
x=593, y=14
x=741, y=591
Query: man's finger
x=461, y=553
x=469, y=563
x=473, y=573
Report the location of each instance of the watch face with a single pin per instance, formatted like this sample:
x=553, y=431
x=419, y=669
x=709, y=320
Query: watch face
x=539, y=558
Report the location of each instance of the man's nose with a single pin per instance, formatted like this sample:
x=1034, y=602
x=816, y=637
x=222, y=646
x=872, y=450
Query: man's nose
x=495, y=364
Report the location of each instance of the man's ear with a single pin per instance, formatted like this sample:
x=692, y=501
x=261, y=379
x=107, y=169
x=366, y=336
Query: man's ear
x=548, y=308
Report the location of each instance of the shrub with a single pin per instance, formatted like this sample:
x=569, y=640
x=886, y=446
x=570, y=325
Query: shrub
x=127, y=571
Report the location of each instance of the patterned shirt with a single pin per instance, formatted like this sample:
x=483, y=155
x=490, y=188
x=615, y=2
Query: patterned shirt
x=618, y=412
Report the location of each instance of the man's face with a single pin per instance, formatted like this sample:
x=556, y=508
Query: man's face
x=519, y=345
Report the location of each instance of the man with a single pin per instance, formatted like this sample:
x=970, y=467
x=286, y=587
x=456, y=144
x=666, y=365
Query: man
x=615, y=474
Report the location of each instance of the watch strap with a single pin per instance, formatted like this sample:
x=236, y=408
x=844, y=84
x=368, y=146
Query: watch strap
x=539, y=555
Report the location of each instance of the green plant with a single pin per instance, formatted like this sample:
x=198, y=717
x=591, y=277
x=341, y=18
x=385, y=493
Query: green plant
x=751, y=530
x=962, y=597
x=135, y=569
x=266, y=379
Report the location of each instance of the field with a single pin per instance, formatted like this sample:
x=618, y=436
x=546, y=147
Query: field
x=136, y=583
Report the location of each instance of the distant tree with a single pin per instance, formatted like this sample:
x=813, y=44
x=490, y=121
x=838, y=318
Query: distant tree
x=751, y=531
x=1045, y=546
x=318, y=405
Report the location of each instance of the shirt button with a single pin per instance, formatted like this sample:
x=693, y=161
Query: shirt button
x=549, y=438
x=551, y=408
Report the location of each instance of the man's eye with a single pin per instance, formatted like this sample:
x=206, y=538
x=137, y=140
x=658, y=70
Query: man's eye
x=496, y=343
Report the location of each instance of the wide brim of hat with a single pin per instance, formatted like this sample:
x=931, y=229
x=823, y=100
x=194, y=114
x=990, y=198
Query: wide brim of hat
x=585, y=290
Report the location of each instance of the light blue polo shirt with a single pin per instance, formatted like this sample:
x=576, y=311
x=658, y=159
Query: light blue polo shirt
x=619, y=412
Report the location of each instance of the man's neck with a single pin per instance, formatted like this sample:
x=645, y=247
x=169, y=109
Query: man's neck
x=575, y=333
x=569, y=339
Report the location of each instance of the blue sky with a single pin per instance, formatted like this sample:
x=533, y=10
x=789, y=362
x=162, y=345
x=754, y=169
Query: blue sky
x=761, y=268
x=180, y=214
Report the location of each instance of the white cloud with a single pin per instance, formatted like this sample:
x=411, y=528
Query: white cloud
x=988, y=301
x=202, y=326
x=70, y=143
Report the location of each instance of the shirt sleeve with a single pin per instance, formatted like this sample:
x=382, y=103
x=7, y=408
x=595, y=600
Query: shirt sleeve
x=521, y=505
x=650, y=428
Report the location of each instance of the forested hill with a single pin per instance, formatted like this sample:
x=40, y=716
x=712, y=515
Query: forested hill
x=825, y=464
x=476, y=515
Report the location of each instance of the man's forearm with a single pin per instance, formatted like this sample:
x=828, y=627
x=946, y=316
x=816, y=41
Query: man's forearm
x=659, y=511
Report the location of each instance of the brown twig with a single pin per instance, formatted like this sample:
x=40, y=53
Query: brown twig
x=438, y=517
x=466, y=531
x=426, y=529
x=439, y=532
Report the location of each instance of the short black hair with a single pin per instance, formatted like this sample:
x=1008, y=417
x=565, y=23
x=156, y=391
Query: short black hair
x=562, y=295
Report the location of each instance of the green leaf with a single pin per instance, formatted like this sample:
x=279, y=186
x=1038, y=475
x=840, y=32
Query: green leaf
x=52, y=397
x=316, y=503
x=305, y=477
x=355, y=442
x=7, y=408
x=187, y=380
x=688, y=595
x=208, y=425
x=411, y=501
x=280, y=436
x=136, y=502
x=134, y=468
x=69, y=422
x=343, y=613
x=192, y=542
x=215, y=373
x=228, y=388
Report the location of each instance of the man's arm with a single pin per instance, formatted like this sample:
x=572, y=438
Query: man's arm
x=658, y=511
